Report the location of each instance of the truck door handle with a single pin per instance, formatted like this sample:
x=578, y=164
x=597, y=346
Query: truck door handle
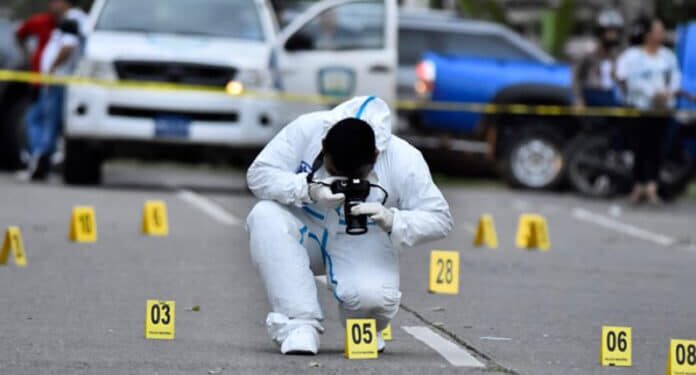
x=380, y=68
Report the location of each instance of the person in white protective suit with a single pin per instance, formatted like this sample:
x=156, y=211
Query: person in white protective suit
x=298, y=229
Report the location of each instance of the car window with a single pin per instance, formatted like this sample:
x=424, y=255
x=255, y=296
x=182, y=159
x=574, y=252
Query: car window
x=413, y=43
x=217, y=18
x=345, y=27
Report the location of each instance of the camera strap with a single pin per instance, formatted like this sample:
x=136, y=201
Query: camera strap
x=318, y=162
x=386, y=194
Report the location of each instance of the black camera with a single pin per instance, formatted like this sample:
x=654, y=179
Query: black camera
x=356, y=192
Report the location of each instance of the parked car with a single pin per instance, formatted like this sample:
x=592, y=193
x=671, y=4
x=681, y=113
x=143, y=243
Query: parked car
x=15, y=98
x=336, y=47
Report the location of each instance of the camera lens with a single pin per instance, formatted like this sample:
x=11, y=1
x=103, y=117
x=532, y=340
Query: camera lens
x=355, y=224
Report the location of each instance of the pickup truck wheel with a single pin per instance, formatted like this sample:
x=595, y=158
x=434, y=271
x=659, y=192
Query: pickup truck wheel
x=535, y=160
x=82, y=164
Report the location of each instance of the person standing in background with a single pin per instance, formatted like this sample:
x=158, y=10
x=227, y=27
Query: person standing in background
x=39, y=26
x=44, y=119
x=650, y=78
x=593, y=81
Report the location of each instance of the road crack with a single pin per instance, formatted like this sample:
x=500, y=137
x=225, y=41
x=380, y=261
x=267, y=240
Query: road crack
x=491, y=364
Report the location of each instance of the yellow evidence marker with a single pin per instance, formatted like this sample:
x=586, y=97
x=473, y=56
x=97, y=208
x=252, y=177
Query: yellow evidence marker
x=533, y=233
x=83, y=225
x=485, y=233
x=361, y=339
x=682, y=357
x=387, y=333
x=155, y=221
x=159, y=320
x=615, y=348
x=13, y=243
x=444, y=272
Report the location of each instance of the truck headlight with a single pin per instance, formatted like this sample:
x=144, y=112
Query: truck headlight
x=426, y=73
x=234, y=88
x=254, y=78
x=100, y=70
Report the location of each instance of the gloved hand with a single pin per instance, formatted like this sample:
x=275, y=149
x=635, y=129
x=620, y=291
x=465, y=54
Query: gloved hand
x=321, y=194
x=381, y=215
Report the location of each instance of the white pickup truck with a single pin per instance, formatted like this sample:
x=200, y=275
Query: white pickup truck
x=336, y=47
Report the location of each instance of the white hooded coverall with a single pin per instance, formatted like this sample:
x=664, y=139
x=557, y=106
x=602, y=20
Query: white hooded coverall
x=292, y=239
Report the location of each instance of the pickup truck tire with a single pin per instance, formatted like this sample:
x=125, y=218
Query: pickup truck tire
x=82, y=163
x=534, y=159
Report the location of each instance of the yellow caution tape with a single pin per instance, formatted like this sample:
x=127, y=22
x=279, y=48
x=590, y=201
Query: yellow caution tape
x=236, y=90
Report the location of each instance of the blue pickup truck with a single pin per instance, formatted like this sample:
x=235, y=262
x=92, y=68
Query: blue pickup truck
x=530, y=151
x=483, y=62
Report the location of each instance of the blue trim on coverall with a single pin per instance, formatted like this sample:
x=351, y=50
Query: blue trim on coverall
x=363, y=106
x=327, y=260
x=312, y=212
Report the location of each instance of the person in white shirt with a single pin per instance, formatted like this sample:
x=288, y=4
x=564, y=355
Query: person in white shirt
x=650, y=77
x=44, y=119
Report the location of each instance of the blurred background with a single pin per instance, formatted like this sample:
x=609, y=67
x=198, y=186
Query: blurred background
x=583, y=112
x=471, y=52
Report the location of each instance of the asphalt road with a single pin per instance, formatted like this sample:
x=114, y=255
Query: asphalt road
x=80, y=308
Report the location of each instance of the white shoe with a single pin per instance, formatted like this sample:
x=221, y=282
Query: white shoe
x=381, y=345
x=302, y=340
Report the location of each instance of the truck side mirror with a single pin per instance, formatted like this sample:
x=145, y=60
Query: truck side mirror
x=299, y=42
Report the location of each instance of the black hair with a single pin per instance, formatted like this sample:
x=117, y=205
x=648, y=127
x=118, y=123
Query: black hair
x=69, y=27
x=641, y=28
x=351, y=145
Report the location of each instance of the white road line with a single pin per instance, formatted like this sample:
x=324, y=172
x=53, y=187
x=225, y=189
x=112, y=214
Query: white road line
x=453, y=353
x=493, y=338
x=617, y=226
x=209, y=207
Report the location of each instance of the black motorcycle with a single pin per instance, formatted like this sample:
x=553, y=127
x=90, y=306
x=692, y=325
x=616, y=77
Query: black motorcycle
x=600, y=163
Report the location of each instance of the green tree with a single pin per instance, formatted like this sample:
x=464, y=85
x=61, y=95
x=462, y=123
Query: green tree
x=437, y=4
x=484, y=9
x=557, y=24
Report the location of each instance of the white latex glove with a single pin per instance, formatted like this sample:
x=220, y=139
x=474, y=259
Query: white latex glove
x=322, y=195
x=381, y=215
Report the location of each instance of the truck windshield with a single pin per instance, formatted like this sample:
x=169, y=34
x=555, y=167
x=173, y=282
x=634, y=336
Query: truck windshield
x=237, y=19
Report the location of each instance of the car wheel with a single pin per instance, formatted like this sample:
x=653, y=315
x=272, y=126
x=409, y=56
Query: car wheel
x=82, y=163
x=535, y=160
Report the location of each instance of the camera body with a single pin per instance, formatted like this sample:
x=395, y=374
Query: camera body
x=356, y=192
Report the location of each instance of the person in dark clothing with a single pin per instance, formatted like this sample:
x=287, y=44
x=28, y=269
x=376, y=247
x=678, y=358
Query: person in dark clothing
x=593, y=80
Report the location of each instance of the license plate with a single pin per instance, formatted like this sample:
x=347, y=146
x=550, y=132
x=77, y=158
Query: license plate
x=172, y=126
